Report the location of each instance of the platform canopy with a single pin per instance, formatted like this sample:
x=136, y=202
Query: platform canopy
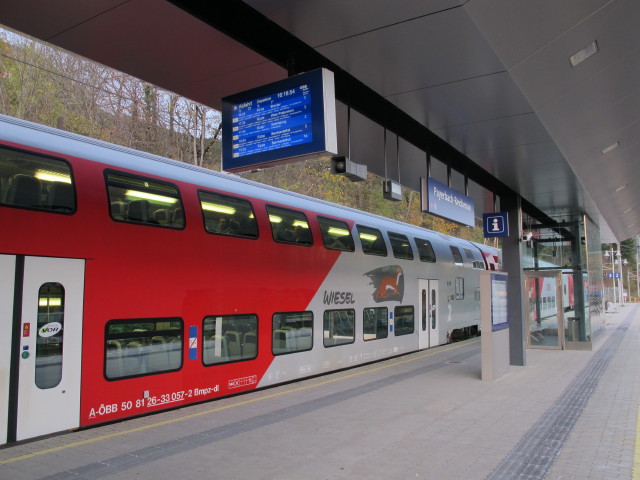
x=491, y=88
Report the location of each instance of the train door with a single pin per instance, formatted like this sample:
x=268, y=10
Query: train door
x=7, y=280
x=428, y=311
x=45, y=351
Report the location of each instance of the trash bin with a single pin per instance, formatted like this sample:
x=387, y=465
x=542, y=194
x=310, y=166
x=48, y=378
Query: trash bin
x=573, y=329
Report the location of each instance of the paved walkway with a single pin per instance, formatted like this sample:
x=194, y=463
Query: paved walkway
x=566, y=415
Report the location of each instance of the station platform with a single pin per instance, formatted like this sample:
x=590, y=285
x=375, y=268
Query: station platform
x=427, y=415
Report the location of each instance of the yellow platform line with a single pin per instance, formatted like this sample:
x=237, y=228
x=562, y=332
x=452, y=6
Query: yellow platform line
x=233, y=405
x=636, y=451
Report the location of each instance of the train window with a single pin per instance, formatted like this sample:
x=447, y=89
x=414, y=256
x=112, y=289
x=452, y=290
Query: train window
x=49, y=341
x=292, y=332
x=229, y=338
x=479, y=265
x=339, y=327
x=404, y=320
x=372, y=241
x=289, y=226
x=425, y=250
x=457, y=257
x=226, y=215
x=142, y=347
x=400, y=246
x=144, y=201
x=33, y=181
x=376, y=323
x=336, y=234
x=459, y=288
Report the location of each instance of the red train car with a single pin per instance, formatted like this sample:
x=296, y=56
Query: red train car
x=130, y=283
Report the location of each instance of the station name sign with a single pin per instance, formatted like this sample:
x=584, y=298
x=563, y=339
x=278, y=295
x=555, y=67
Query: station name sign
x=443, y=201
x=292, y=119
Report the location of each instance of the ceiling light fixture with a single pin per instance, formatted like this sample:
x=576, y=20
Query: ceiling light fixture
x=627, y=210
x=583, y=54
x=619, y=189
x=610, y=147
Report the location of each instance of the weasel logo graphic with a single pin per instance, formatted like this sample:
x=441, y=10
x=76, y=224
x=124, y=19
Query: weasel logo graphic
x=388, y=283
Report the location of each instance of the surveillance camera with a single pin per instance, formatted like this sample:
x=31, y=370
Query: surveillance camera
x=353, y=171
x=526, y=236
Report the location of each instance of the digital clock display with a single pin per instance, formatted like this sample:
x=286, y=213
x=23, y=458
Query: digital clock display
x=280, y=122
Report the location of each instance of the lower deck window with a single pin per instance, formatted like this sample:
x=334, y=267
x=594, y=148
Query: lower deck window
x=229, y=338
x=292, y=332
x=143, y=347
x=376, y=323
x=339, y=327
x=404, y=320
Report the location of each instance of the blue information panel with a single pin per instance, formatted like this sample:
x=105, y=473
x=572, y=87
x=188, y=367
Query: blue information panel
x=280, y=122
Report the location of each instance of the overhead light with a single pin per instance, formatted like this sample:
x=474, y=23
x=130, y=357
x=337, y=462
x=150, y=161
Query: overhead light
x=627, y=210
x=150, y=196
x=213, y=207
x=619, y=189
x=368, y=237
x=339, y=232
x=52, y=176
x=610, y=147
x=583, y=54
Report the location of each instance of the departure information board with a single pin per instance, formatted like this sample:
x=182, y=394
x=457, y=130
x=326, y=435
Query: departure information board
x=284, y=121
x=275, y=121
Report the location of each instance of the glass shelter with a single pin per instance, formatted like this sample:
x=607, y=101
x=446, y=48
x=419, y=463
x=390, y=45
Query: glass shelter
x=563, y=283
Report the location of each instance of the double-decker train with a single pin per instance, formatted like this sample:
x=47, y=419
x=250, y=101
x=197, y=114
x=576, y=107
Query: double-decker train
x=130, y=283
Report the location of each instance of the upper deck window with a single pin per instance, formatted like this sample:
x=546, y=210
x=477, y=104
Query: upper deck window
x=37, y=182
x=457, y=257
x=227, y=215
x=144, y=201
x=336, y=234
x=400, y=246
x=425, y=250
x=289, y=226
x=372, y=241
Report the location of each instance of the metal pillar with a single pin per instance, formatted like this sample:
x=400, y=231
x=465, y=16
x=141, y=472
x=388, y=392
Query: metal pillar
x=512, y=263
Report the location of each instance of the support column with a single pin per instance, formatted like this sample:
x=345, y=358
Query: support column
x=512, y=264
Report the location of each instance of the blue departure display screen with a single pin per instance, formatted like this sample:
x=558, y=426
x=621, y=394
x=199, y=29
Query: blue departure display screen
x=274, y=121
x=293, y=118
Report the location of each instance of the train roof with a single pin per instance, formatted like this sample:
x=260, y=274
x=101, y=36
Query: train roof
x=67, y=143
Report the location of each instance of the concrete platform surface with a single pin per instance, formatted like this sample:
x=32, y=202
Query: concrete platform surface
x=566, y=415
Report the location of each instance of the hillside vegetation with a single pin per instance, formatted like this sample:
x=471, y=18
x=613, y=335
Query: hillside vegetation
x=48, y=86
